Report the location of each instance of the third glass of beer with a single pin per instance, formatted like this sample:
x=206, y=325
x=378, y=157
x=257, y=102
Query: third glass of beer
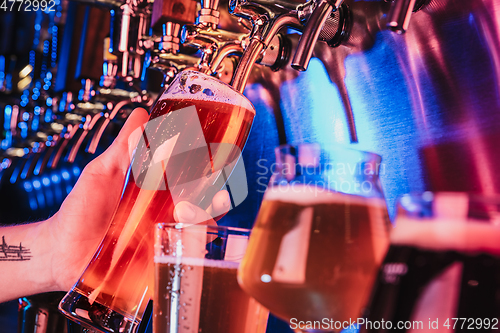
x=442, y=270
x=319, y=238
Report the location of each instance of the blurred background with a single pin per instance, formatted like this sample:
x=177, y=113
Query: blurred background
x=414, y=81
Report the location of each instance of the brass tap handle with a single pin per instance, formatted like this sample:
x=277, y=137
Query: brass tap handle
x=209, y=13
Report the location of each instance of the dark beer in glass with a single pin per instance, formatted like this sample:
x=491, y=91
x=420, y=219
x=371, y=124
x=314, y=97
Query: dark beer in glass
x=442, y=269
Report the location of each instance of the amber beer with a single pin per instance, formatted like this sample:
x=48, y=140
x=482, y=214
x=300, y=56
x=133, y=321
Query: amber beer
x=215, y=305
x=118, y=282
x=318, y=253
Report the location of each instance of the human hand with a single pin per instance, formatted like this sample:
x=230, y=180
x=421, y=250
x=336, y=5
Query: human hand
x=81, y=223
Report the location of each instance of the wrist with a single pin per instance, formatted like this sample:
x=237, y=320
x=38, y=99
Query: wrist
x=49, y=254
x=28, y=261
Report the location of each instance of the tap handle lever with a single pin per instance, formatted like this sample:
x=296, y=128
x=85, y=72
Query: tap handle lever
x=312, y=31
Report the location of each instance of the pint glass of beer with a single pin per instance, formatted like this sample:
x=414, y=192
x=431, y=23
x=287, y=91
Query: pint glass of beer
x=186, y=152
x=196, y=290
x=319, y=238
x=442, y=269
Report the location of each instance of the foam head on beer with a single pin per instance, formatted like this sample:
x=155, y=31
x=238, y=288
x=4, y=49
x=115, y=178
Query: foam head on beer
x=180, y=157
x=454, y=221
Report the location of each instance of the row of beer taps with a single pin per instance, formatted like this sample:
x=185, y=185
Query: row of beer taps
x=46, y=128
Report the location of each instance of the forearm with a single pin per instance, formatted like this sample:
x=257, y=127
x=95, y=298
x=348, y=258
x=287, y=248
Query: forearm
x=26, y=253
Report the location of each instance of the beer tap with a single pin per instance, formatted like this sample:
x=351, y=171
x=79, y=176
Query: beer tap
x=318, y=24
x=314, y=18
x=130, y=25
x=215, y=44
x=168, y=16
x=170, y=40
x=320, y=13
x=209, y=14
x=52, y=130
x=327, y=21
x=166, y=57
x=109, y=66
x=123, y=44
x=78, y=121
x=88, y=121
x=267, y=18
x=110, y=101
x=218, y=45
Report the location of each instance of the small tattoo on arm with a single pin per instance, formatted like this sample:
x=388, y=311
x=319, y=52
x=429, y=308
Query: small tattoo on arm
x=13, y=252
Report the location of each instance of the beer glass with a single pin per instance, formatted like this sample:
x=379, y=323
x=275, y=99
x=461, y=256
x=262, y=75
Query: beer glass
x=442, y=269
x=319, y=237
x=186, y=151
x=196, y=290
x=39, y=314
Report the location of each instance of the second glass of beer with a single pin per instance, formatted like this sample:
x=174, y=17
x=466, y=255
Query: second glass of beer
x=319, y=238
x=196, y=290
x=186, y=151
